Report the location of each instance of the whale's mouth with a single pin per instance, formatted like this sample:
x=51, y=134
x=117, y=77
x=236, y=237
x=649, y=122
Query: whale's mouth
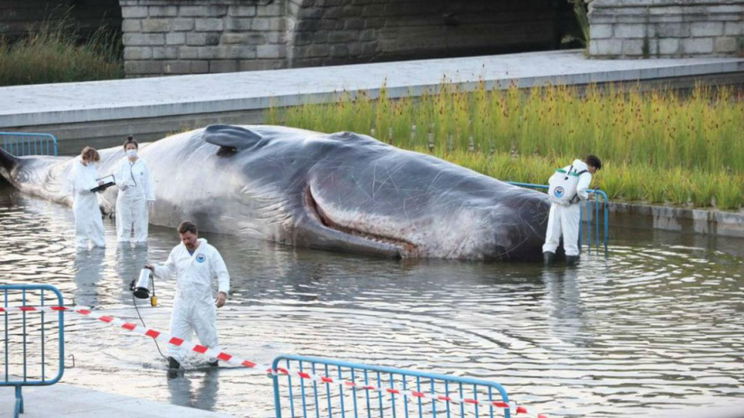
x=406, y=248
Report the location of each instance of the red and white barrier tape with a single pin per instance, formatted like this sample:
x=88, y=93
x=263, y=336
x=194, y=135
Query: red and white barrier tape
x=147, y=332
x=201, y=349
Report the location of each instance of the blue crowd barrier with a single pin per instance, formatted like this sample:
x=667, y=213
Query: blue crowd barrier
x=341, y=389
x=29, y=143
x=26, y=339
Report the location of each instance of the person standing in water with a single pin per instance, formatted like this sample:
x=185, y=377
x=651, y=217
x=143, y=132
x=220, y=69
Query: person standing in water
x=82, y=179
x=195, y=264
x=136, y=195
x=568, y=188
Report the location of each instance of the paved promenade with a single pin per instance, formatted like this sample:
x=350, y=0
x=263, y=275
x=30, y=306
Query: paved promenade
x=64, y=103
x=68, y=401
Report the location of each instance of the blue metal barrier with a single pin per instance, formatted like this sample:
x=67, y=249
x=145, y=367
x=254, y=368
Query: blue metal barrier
x=25, y=351
x=308, y=397
x=27, y=143
x=591, y=216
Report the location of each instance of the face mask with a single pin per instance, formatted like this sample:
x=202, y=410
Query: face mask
x=131, y=153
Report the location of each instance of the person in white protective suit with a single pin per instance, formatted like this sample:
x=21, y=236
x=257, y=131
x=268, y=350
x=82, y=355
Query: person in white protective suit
x=136, y=194
x=195, y=264
x=565, y=211
x=88, y=220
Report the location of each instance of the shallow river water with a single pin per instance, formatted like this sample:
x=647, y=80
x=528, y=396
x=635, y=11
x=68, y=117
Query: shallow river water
x=654, y=326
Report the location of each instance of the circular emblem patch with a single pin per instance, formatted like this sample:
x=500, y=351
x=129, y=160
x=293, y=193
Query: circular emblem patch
x=200, y=258
x=558, y=192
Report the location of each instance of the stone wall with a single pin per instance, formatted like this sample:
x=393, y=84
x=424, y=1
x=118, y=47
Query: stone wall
x=666, y=28
x=209, y=36
x=17, y=17
x=337, y=32
x=197, y=36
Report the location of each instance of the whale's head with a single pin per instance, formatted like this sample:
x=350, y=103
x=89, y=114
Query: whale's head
x=421, y=205
x=351, y=192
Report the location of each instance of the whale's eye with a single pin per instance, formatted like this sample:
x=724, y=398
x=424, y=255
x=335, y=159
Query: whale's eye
x=226, y=151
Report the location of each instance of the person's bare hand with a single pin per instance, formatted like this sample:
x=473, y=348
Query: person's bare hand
x=221, y=299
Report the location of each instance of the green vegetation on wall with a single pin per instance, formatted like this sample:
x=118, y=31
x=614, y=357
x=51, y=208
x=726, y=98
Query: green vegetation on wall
x=657, y=147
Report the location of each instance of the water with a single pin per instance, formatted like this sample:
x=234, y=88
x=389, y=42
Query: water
x=655, y=326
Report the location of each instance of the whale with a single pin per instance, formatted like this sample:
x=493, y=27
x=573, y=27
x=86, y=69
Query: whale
x=341, y=191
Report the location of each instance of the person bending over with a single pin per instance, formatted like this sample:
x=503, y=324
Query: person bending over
x=568, y=187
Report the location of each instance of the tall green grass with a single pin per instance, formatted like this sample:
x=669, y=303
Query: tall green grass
x=52, y=53
x=658, y=147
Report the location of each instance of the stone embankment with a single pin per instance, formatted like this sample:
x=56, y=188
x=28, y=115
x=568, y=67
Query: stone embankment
x=686, y=220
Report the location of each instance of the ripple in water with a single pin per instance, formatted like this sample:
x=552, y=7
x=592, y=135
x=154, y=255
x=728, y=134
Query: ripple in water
x=656, y=325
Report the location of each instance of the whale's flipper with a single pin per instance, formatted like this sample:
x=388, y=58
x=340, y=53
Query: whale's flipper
x=7, y=163
x=230, y=138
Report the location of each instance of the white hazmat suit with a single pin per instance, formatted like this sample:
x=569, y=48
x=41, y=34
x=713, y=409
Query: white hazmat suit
x=88, y=222
x=194, y=306
x=565, y=218
x=135, y=191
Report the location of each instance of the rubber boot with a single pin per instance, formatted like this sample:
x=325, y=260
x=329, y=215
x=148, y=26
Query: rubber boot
x=548, y=258
x=173, y=363
x=572, y=260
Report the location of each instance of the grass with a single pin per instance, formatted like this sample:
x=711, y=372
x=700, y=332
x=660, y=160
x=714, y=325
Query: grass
x=658, y=147
x=53, y=54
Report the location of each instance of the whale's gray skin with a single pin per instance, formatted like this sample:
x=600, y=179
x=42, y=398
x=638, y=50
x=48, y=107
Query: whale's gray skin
x=342, y=191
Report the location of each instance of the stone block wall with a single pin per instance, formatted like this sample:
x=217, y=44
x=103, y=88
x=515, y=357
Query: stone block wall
x=326, y=32
x=666, y=28
x=163, y=37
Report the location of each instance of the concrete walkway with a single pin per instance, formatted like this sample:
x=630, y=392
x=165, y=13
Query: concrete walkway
x=70, y=401
x=64, y=103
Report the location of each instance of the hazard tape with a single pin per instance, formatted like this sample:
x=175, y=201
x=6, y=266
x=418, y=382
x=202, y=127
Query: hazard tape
x=228, y=358
x=147, y=332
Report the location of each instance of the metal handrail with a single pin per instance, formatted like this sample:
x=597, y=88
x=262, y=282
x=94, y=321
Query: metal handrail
x=6, y=379
x=383, y=377
x=605, y=203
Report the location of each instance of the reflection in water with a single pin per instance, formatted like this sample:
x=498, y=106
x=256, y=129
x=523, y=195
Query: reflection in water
x=655, y=325
x=203, y=397
x=129, y=261
x=88, y=268
x=567, y=320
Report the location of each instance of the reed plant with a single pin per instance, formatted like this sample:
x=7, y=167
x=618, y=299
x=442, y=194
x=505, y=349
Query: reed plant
x=53, y=53
x=658, y=147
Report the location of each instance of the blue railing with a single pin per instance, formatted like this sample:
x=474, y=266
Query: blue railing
x=25, y=350
x=591, y=217
x=358, y=390
x=27, y=143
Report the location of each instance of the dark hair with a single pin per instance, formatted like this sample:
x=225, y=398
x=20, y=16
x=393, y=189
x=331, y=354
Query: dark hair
x=187, y=226
x=130, y=140
x=90, y=154
x=593, y=161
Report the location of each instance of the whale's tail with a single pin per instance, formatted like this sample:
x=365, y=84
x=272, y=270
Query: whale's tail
x=8, y=163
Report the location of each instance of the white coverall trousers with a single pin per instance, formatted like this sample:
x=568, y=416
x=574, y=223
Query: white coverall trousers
x=88, y=222
x=195, y=312
x=131, y=216
x=565, y=220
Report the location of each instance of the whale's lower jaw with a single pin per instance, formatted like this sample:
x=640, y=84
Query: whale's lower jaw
x=384, y=244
